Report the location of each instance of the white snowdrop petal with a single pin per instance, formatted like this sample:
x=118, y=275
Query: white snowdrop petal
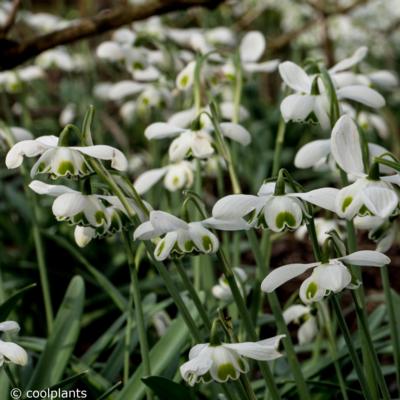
x=295, y=77
x=385, y=79
x=366, y=258
x=164, y=222
x=312, y=153
x=361, y=94
x=307, y=331
x=349, y=62
x=252, y=46
x=185, y=78
x=51, y=190
x=236, y=206
x=267, y=66
x=68, y=205
x=148, y=179
x=283, y=274
x=83, y=235
x=9, y=326
x=295, y=312
x=110, y=51
x=125, y=88
x=227, y=224
x=161, y=130
x=333, y=276
x=103, y=152
x=236, y=132
x=165, y=246
x=346, y=145
x=145, y=231
x=297, y=107
x=379, y=200
x=324, y=197
x=13, y=353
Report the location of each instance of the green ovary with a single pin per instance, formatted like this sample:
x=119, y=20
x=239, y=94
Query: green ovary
x=285, y=218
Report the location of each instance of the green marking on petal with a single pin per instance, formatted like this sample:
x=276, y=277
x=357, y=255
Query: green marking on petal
x=99, y=216
x=226, y=371
x=42, y=167
x=207, y=243
x=285, y=218
x=66, y=167
x=346, y=202
x=311, y=290
x=160, y=247
x=189, y=245
x=184, y=80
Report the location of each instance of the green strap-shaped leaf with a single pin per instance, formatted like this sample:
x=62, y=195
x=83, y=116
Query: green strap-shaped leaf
x=62, y=340
x=166, y=389
x=10, y=303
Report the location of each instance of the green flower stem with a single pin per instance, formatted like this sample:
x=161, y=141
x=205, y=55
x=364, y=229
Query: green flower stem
x=248, y=323
x=349, y=342
x=280, y=322
x=280, y=138
x=224, y=151
x=237, y=93
x=196, y=260
x=193, y=294
x=375, y=361
x=139, y=315
x=244, y=380
x=393, y=321
x=197, y=84
x=10, y=376
x=333, y=349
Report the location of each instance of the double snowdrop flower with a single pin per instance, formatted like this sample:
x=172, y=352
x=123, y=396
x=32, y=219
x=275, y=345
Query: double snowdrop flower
x=180, y=237
x=101, y=213
x=197, y=143
x=302, y=316
x=223, y=292
x=11, y=352
x=176, y=177
x=226, y=360
x=62, y=161
x=367, y=195
x=326, y=277
x=276, y=212
x=310, y=95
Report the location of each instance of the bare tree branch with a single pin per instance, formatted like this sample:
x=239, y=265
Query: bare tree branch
x=16, y=53
x=11, y=18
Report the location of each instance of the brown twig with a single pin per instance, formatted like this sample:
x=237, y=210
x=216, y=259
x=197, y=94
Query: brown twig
x=11, y=19
x=17, y=53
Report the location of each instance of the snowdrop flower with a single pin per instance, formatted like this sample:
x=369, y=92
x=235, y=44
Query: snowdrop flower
x=11, y=352
x=176, y=176
x=83, y=235
x=180, y=237
x=373, y=121
x=60, y=58
x=57, y=160
x=367, y=195
x=322, y=226
x=299, y=106
x=44, y=22
x=276, y=212
x=222, y=291
x=301, y=315
x=14, y=81
x=226, y=361
x=192, y=142
x=103, y=213
x=326, y=277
